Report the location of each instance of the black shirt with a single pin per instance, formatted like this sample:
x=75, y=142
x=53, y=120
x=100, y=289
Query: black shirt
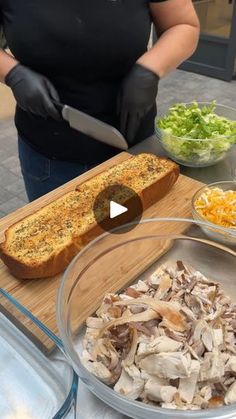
x=85, y=48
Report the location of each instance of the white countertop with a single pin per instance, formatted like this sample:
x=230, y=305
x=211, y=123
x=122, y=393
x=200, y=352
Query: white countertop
x=90, y=407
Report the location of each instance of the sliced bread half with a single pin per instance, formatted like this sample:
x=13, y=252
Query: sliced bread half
x=44, y=243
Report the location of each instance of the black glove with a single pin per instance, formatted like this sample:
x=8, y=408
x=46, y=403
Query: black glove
x=33, y=92
x=136, y=98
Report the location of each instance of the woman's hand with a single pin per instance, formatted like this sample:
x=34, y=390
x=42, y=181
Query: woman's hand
x=33, y=92
x=137, y=96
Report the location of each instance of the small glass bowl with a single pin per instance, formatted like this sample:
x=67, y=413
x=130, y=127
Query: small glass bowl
x=198, y=152
x=226, y=236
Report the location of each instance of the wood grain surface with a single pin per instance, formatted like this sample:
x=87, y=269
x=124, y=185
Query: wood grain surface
x=39, y=296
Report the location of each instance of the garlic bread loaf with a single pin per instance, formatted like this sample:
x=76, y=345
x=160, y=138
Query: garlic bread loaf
x=44, y=243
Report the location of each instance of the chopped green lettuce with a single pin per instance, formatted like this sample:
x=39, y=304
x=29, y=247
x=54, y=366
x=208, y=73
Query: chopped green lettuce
x=214, y=134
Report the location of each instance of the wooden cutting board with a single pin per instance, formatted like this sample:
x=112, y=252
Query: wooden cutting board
x=39, y=296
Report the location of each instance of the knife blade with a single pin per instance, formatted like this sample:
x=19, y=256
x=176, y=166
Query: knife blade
x=92, y=127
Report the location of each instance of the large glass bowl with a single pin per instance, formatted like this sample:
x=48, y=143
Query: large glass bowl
x=198, y=152
x=112, y=262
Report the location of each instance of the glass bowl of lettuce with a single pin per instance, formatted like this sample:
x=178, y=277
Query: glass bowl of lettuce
x=197, y=134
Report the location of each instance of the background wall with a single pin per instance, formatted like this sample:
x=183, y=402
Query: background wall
x=7, y=102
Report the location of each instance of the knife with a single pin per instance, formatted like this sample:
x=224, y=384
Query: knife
x=92, y=127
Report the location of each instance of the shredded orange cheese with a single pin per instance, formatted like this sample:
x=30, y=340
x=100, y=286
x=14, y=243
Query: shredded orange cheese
x=218, y=207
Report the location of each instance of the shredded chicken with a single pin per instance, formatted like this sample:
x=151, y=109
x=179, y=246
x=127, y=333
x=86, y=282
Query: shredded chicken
x=168, y=341
x=159, y=391
x=187, y=386
x=130, y=383
x=167, y=365
x=156, y=346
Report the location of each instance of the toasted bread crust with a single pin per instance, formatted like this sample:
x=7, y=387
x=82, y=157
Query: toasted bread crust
x=62, y=256
x=55, y=264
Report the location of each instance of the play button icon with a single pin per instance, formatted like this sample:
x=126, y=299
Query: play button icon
x=116, y=209
x=117, y=205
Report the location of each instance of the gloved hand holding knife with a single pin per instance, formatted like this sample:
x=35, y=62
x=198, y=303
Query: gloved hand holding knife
x=33, y=92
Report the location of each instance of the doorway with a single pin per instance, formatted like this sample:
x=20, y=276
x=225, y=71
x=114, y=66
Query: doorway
x=216, y=52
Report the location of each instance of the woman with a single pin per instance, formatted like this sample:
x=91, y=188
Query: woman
x=92, y=55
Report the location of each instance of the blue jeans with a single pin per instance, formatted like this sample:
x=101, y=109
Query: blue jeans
x=41, y=174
